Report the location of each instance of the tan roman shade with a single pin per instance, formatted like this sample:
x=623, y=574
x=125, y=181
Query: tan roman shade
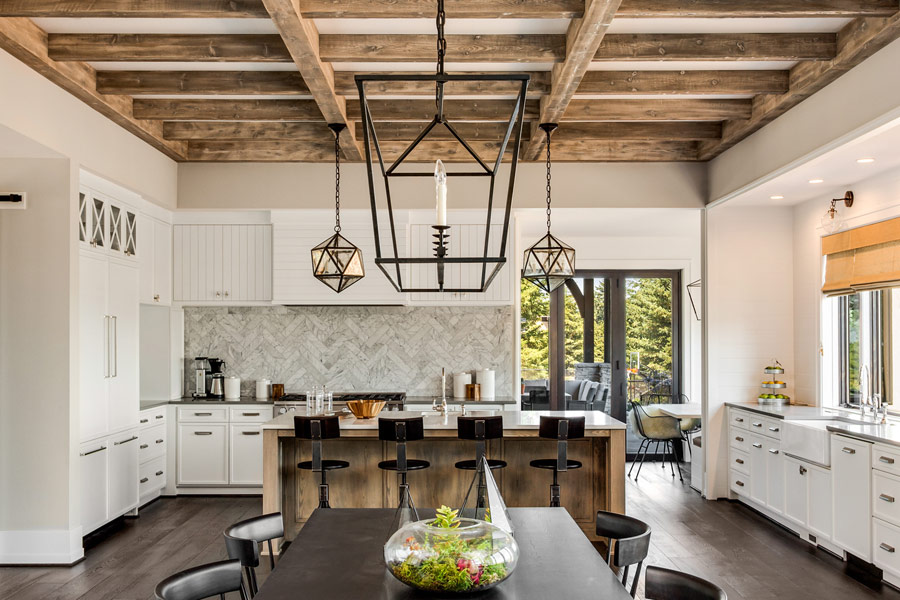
x=865, y=258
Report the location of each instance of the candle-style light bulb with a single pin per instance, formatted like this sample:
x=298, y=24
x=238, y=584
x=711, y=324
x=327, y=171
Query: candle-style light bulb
x=440, y=190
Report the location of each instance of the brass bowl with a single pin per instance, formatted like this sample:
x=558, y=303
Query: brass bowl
x=365, y=409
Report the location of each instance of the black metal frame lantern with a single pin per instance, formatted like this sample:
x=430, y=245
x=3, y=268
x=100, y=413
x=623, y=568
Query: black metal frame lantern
x=550, y=262
x=336, y=262
x=393, y=265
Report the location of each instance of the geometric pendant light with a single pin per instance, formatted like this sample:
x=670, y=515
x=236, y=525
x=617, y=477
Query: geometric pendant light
x=550, y=262
x=336, y=262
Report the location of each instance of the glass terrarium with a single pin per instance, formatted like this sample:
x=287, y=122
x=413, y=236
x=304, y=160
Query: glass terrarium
x=450, y=554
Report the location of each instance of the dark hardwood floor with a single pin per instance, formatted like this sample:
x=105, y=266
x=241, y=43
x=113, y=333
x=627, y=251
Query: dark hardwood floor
x=725, y=542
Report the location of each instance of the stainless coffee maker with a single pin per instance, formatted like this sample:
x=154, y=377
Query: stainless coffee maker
x=217, y=378
x=201, y=368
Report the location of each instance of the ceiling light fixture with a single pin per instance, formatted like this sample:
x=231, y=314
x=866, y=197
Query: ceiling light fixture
x=550, y=262
x=865, y=161
x=776, y=197
x=480, y=269
x=832, y=221
x=336, y=262
x=816, y=180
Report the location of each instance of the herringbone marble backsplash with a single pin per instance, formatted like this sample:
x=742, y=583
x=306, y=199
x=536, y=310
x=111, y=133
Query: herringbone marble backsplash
x=350, y=348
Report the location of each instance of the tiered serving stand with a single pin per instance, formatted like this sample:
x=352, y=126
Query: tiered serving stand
x=772, y=384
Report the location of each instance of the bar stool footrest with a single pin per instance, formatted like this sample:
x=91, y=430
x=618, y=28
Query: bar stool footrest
x=550, y=463
x=413, y=464
x=469, y=465
x=327, y=465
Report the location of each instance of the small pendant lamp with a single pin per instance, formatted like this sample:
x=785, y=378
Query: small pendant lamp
x=336, y=262
x=550, y=262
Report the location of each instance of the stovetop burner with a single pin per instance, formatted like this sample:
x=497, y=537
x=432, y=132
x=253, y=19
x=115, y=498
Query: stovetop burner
x=344, y=396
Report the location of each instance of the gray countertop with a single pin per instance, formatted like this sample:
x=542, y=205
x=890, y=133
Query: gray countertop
x=145, y=404
x=792, y=412
x=888, y=433
x=469, y=401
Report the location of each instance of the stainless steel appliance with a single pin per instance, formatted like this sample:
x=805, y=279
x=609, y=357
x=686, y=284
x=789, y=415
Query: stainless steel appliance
x=297, y=402
x=201, y=368
x=217, y=380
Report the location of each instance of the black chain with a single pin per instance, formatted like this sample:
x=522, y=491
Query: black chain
x=441, y=40
x=548, y=181
x=337, y=182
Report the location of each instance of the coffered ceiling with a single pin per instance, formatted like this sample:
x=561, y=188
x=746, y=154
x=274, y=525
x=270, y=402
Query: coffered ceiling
x=628, y=80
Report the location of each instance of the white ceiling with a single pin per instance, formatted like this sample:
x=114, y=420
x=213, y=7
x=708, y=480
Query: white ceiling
x=838, y=168
x=610, y=222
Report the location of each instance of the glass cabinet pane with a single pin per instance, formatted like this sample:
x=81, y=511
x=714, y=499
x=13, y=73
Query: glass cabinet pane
x=130, y=233
x=115, y=227
x=98, y=234
x=82, y=218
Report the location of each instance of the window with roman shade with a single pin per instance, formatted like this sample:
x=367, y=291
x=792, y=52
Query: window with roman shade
x=864, y=258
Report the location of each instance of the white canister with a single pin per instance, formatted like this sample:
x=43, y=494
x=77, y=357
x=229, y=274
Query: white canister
x=263, y=387
x=232, y=388
x=460, y=380
x=485, y=377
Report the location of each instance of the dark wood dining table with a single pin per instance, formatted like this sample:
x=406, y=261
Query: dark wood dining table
x=338, y=555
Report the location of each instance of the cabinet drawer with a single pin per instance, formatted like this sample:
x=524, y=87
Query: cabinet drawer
x=886, y=546
x=740, y=418
x=740, y=461
x=250, y=414
x=738, y=439
x=740, y=483
x=152, y=476
x=153, y=416
x=772, y=428
x=152, y=443
x=202, y=454
x=203, y=414
x=886, y=497
x=886, y=458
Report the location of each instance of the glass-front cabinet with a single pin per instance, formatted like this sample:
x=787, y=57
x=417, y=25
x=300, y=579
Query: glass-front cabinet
x=106, y=225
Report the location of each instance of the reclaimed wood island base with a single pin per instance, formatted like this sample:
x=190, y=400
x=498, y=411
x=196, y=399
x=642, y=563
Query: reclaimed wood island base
x=598, y=485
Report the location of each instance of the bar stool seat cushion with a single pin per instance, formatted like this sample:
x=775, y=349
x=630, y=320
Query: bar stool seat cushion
x=550, y=463
x=469, y=465
x=327, y=465
x=412, y=464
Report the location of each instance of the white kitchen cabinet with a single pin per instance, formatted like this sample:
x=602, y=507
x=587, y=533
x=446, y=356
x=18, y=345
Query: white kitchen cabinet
x=758, y=464
x=796, y=491
x=852, y=497
x=820, y=505
x=123, y=348
x=222, y=263
x=94, y=483
x=246, y=454
x=107, y=225
x=156, y=261
x=93, y=341
x=774, y=477
x=152, y=452
x=202, y=454
x=123, y=473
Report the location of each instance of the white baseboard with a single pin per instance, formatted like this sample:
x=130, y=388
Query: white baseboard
x=41, y=547
x=218, y=491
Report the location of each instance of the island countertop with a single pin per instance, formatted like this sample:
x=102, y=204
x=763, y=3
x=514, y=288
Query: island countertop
x=434, y=422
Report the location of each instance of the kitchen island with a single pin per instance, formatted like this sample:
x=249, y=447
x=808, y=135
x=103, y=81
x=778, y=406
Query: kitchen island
x=598, y=485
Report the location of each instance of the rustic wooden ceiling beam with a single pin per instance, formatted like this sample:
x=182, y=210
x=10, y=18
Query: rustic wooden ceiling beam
x=757, y=8
x=460, y=48
x=201, y=82
x=456, y=110
x=346, y=84
x=227, y=110
x=674, y=131
x=718, y=46
x=683, y=82
x=583, y=39
x=246, y=130
x=161, y=9
x=302, y=41
x=857, y=41
x=168, y=47
x=657, y=110
x=456, y=9
x=407, y=132
x=28, y=42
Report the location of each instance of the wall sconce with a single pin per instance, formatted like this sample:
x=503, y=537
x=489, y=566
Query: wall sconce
x=832, y=221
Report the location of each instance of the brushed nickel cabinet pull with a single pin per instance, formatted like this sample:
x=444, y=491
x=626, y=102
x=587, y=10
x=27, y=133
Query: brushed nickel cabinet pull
x=196, y=414
x=774, y=429
x=160, y=441
x=740, y=483
x=739, y=420
x=100, y=449
x=757, y=445
x=144, y=446
x=739, y=438
x=848, y=450
x=773, y=451
x=256, y=414
x=250, y=432
x=144, y=480
x=886, y=460
x=886, y=548
x=739, y=461
x=145, y=421
x=203, y=433
x=158, y=473
x=886, y=498
x=757, y=424
x=160, y=416
x=131, y=439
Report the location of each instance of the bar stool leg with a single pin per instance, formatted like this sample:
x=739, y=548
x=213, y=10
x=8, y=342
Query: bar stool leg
x=323, y=493
x=554, y=490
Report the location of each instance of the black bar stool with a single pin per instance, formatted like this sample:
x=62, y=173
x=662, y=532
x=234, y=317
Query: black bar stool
x=401, y=431
x=205, y=581
x=627, y=543
x=664, y=584
x=242, y=543
x=318, y=428
x=480, y=429
x=561, y=429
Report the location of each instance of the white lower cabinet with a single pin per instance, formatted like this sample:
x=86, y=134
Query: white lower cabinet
x=152, y=453
x=821, y=508
x=245, y=463
x=759, y=480
x=774, y=477
x=851, y=470
x=202, y=454
x=796, y=491
x=93, y=460
x=123, y=473
x=109, y=478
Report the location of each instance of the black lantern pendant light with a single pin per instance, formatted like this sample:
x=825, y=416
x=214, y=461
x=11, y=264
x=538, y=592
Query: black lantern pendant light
x=550, y=262
x=390, y=260
x=336, y=262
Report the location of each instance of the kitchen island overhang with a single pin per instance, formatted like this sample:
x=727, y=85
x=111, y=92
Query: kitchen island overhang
x=598, y=485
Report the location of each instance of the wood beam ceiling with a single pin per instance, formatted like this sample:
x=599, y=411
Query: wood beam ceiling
x=210, y=83
x=683, y=82
x=28, y=42
x=228, y=110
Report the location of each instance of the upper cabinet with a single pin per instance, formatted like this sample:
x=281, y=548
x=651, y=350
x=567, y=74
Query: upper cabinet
x=297, y=232
x=155, y=252
x=222, y=264
x=107, y=225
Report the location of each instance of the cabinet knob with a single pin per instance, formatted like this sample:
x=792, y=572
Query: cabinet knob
x=226, y=294
x=218, y=294
x=156, y=297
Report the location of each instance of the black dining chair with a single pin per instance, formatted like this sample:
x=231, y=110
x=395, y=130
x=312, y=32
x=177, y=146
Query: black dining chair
x=665, y=584
x=318, y=428
x=402, y=431
x=628, y=543
x=205, y=581
x=242, y=542
x=561, y=429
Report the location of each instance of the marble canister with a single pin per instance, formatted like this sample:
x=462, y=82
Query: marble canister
x=459, y=384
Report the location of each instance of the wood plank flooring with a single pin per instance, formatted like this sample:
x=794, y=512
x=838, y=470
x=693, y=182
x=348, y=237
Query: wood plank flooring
x=724, y=542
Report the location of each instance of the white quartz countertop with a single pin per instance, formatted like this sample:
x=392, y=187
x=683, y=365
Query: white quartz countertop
x=791, y=412
x=512, y=420
x=889, y=433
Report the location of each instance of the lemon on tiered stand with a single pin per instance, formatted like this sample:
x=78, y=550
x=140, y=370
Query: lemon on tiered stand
x=770, y=394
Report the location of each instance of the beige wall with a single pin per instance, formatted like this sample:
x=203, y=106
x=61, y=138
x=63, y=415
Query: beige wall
x=37, y=405
x=863, y=98
x=34, y=107
x=306, y=185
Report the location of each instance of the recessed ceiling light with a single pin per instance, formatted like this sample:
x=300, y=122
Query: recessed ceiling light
x=776, y=197
x=816, y=180
x=864, y=161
